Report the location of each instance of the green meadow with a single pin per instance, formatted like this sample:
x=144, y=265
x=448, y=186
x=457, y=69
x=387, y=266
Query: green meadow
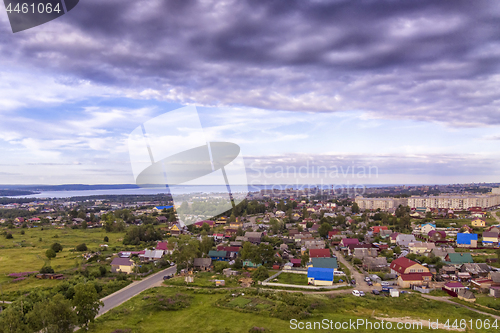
x=246, y=310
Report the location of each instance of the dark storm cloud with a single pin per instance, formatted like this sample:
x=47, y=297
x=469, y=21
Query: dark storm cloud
x=427, y=60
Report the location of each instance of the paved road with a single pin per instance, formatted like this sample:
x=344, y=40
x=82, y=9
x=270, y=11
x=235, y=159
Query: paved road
x=133, y=289
x=360, y=278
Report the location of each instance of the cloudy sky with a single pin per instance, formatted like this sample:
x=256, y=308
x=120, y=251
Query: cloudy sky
x=399, y=91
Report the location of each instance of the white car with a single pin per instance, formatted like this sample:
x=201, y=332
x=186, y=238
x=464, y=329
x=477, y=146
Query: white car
x=367, y=279
x=384, y=283
x=356, y=292
x=361, y=293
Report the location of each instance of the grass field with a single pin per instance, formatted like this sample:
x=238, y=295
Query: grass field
x=26, y=252
x=205, y=279
x=291, y=278
x=218, y=311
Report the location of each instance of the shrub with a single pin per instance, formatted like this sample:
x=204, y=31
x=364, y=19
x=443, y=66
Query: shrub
x=9, y=236
x=219, y=266
x=50, y=254
x=56, y=247
x=103, y=270
x=47, y=270
x=106, y=239
x=81, y=247
x=22, y=232
x=164, y=303
x=260, y=274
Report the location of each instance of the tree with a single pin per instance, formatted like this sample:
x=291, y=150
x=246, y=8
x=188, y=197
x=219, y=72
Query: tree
x=397, y=250
x=51, y=254
x=54, y=315
x=355, y=208
x=84, y=224
x=206, y=244
x=324, y=229
x=47, y=270
x=260, y=274
x=81, y=247
x=232, y=218
x=205, y=226
x=305, y=259
x=86, y=302
x=56, y=247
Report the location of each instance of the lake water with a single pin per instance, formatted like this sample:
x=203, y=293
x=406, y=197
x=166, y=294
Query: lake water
x=181, y=189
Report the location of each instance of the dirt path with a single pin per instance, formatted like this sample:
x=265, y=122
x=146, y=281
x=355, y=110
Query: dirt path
x=446, y=300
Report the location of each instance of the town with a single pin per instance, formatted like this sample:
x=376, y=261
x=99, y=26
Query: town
x=441, y=246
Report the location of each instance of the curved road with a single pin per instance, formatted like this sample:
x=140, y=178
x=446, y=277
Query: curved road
x=133, y=289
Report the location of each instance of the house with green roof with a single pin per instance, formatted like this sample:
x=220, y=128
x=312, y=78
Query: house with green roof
x=218, y=255
x=458, y=258
x=324, y=263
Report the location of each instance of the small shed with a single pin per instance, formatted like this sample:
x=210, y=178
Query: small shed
x=394, y=292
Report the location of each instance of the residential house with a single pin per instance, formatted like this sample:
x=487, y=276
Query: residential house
x=421, y=248
x=466, y=240
x=335, y=233
x=441, y=252
x=458, y=259
x=352, y=247
x=418, y=279
x=319, y=253
x=393, y=237
x=376, y=229
x=251, y=264
x=296, y=262
x=362, y=253
x=161, y=219
x=202, y=264
x=476, y=270
x=167, y=248
x=218, y=255
x=199, y=224
x=404, y=265
x=314, y=244
x=426, y=227
x=122, y=265
x=376, y=264
x=324, y=263
x=466, y=295
x=348, y=241
x=490, y=238
x=404, y=239
x=478, y=222
x=151, y=255
x=320, y=276
x=254, y=237
x=454, y=286
x=436, y=235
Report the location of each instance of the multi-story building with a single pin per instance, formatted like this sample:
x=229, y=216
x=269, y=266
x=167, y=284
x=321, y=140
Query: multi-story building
x=459, y=202
x=382, y=203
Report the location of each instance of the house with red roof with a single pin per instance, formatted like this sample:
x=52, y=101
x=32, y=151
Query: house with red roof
x=199, y=224
x=296, y=262
x=319, y=253
x=334, y=233
x=376, y=229
x=404, y=265
x=167, y=248
x=349, y=241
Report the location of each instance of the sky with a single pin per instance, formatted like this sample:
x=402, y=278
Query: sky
x=359, y=92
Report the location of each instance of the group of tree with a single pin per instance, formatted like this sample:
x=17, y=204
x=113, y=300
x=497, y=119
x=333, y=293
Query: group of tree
x=143, y=233
x=51, y=313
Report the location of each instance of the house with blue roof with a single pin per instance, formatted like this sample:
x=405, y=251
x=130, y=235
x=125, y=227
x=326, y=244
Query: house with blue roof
x=160, y=208
x=320, y=276
x=466, y=240
x=426, y=227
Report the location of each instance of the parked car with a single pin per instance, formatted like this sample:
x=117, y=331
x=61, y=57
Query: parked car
x=367, y=279
x=356, y=292
x=384, y=283
x=386, y=289
x=166, y=277
x=353, y=282
x=361, y=293
x=375, y=292
x=369, y=283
